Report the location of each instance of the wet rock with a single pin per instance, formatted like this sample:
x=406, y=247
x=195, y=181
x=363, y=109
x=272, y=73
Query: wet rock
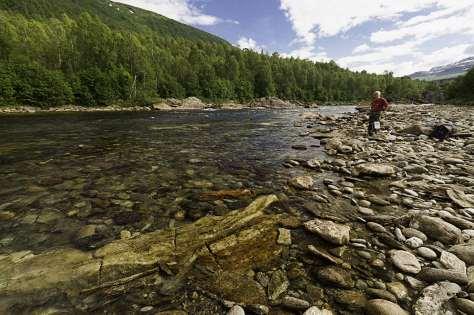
x=332, y=232
x=284, y=237
x=295, y=303
x=433, y=299
x=378, y=201
x=414, y=242
x=452, y=262
x=465, y=305
x=414, y=283
x=278, y=284
x=405, y=261
x=350, y=299
x=6, y=215
x=88, y=235
x=374, y=169
x=336, y=276
x=127, y=217
x=381, y=294
x=432, y=275
x=384, y=307
x=439, y=230
x=236, y=310
x=398, y=289
x=410, y=232
x=427, y=253
x=302, y=182
x=465, y=252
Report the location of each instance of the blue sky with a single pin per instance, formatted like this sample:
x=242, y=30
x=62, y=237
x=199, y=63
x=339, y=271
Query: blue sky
x=402, y=36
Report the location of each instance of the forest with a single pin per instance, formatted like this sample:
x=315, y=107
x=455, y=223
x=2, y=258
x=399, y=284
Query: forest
x=68, y=54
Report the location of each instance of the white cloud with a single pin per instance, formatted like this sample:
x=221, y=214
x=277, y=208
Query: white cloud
x=361, y=48
x=249, y=43
x=180, y=10
x=403, y=47
x=308, y=52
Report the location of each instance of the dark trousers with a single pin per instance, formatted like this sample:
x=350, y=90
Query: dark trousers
x=373, y=117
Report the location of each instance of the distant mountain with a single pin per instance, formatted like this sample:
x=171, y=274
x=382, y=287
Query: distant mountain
x=445, y=72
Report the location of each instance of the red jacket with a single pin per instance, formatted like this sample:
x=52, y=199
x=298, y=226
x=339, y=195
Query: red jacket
x=379, y=105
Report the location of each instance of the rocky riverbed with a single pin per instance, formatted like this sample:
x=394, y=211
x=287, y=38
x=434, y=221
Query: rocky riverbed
x=375, y=226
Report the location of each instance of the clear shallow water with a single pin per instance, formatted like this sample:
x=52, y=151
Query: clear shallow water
x=136, y=171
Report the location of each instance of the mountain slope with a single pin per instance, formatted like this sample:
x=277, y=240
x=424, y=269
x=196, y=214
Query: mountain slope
x=445, y=72
x=115, y=15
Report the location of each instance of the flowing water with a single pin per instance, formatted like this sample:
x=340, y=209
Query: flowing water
x=136, y=171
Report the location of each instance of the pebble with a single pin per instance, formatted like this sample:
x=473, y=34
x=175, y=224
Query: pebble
x=313, y=310
x=236, y=310
x=384, y=307
x=405, y=261
x=335, y=233
x=378, y=228
x=427, y=253
x=295, y=303
x=414, y=242
x=366, y=211
x=409, y=233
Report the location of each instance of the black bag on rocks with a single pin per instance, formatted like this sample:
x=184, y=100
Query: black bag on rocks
x=442, y=132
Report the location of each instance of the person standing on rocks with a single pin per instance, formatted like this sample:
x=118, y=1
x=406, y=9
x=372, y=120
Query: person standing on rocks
x=379, y=104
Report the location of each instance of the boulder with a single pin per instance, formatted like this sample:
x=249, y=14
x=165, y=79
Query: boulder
x=332, y=232
x=439, y=230
x=433, y=299
x=405, y=261
x=374, y=169
x=384, y=307
x=465, y=252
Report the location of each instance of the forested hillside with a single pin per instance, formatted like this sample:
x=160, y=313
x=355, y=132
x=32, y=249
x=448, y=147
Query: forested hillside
x=462, y=89
x=95, y=52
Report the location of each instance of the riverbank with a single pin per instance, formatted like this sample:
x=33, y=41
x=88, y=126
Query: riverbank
x=191, y=103
x=378, y=226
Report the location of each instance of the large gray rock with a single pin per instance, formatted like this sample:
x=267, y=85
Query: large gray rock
x=405, y=261
x=439, y=230
x=433, y=299
x=374, y=169
x=432, y=275
x=452, y=262
x=384, y=307
x=465, y=252
x=332, y=232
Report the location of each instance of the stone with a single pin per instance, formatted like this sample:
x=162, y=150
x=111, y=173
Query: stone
x=426, y=253
x=433, y=299
x=376, y=227
x=439, y=230
x=465, y=305
x=378, y=201
x=409, y=233
x=366, y=211
x=374, y=169
x=302, y=182
x=124, y=234
x=335, y=276
x=236, y=310
x=295, y=303
x=432, y=275
x=384, y=307
x=258, y=309
x=414, y=283
x=314, y=310
x=398, y=289
x=405, y=261
x=87, y=236
x=465, y=252
x=332, y=232
x=452, y=262
x=414, y=242
x=350, y=299
x=284, y=237
x=399, y=235
x=381, y=294
x=6, y=215
x=278, y=284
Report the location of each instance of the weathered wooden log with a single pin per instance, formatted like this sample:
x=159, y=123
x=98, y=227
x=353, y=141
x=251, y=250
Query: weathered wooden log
x=69, y=271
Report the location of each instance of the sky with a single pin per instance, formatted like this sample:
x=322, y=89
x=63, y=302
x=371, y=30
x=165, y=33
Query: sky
x=401, y=36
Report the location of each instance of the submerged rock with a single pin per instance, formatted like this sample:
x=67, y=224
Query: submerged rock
x=336, y=276
x=302, y=182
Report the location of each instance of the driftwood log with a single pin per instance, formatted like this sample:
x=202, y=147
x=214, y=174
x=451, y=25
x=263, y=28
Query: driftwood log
x=238, y=240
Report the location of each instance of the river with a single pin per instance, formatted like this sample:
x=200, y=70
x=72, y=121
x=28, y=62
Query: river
x=136, y=172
